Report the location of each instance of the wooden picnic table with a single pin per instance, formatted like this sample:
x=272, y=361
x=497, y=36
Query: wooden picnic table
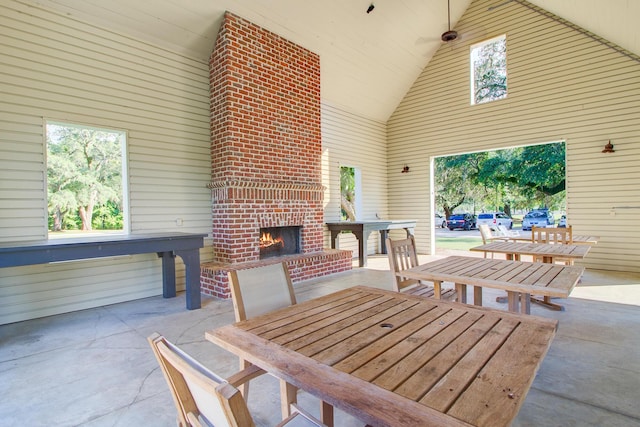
x=519, y=279
x=547, y=251
x=393, y=359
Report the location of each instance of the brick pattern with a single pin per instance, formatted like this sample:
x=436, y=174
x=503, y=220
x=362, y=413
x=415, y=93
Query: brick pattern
x=214, y=280
x=266, y=151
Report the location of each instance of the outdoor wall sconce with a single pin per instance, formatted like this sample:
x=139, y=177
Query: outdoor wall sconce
x=608, y=148
x=405, y=169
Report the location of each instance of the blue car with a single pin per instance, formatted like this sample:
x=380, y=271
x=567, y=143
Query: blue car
x=463, y=221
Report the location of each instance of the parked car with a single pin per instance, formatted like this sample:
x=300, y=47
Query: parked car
x=563, y=221
x=441, y=221
x=464, y=221
x=539, y=218
x=494, y=219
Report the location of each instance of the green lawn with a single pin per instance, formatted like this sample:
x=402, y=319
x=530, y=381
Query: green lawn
x=458, y=243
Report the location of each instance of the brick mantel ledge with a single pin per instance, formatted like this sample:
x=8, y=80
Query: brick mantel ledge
x=266, y=185
x=214, y=280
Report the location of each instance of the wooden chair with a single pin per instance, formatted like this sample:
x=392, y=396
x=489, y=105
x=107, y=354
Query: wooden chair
x=402, y=256
x=260, y=290
x=553, y=235
x=487, y=236
x=202, y=398
x=561, y=236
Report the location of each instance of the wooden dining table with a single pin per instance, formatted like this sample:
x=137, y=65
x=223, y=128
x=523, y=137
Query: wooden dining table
x=519, y=279
x=547, y=251
x=394, y=359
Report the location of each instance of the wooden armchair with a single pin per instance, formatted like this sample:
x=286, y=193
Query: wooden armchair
x=487, y=236
x=562, y=236
x=402, y=256
x=553, y=235
x=260, y=290
x=202, y=398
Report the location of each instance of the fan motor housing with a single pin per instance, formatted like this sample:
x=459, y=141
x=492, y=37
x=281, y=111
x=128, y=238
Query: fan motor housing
x=449, y=36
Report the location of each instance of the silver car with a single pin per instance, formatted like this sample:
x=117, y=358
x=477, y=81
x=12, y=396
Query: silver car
x=494, y=219
x=539, y=218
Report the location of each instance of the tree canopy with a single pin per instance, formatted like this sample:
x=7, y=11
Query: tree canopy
x=84, y=172
x=522, y=177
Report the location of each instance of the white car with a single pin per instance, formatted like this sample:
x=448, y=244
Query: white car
x=494, y=219
x=441, y=221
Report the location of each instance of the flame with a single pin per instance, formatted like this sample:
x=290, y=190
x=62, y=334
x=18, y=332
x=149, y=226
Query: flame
x=266, y=240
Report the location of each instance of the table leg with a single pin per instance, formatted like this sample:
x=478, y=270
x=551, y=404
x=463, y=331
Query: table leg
x=525, y=303
x=477, y=295
x=334, y=238
x=168, y=274
x=383, y=241
x=326, y=414
x=461, y=290
x=513, y=299
x=289, y=396
x=437, y=290
x=362, y=237
x=191, y=260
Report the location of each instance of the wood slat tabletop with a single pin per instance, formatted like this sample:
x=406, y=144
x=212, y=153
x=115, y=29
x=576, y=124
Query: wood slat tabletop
x=546, y=250
x=393, y=359
x=516, y=276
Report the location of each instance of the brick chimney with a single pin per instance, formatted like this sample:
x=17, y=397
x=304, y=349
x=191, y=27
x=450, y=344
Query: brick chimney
x=266, y=152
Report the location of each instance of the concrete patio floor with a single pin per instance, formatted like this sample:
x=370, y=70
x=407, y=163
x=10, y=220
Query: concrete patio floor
x=95, y=368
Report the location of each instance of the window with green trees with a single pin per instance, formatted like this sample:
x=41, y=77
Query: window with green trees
x=85, y=178
x=503, y=180
x=347, y=193
x=489, y=70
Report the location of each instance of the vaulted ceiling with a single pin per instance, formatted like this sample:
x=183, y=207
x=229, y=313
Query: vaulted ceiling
x=368, y=60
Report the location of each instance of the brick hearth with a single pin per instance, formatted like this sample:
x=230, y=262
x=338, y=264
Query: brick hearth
x=266, y=153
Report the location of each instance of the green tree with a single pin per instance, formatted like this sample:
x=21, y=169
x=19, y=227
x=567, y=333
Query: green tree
x=521, y=177
x=490, y=71
x=347, y=193
x=457, y=180
x=83, y=170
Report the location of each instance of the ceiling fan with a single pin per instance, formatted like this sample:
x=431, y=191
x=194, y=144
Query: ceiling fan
x=449, y=35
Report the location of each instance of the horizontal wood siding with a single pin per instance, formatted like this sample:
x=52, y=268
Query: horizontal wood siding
x=564, y=84
x=56, y=68
x=349, y=140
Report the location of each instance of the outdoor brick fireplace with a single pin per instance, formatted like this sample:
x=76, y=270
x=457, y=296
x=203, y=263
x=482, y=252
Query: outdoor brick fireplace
x=266, y=155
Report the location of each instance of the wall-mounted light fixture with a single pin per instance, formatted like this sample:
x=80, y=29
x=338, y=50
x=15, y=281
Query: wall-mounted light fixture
x=608, y=148
x=405, y=169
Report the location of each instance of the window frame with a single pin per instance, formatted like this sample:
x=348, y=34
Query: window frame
x=124, y=153
x=472, y=79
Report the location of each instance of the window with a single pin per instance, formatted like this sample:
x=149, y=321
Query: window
x=85, y=179
x=350, y=192
x=489, y=70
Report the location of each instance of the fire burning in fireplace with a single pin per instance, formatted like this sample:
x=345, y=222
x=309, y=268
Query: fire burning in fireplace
x=268, y=242
x=277, y=241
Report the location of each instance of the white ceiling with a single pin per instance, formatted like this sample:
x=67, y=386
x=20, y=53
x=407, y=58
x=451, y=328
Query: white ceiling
x=368, y=61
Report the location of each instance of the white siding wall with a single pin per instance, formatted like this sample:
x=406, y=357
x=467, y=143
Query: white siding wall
x=349, y=140
x=563, y=84
x=54, y=67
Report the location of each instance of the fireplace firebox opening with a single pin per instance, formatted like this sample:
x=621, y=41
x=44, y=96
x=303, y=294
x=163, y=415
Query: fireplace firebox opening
x=278, y=241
